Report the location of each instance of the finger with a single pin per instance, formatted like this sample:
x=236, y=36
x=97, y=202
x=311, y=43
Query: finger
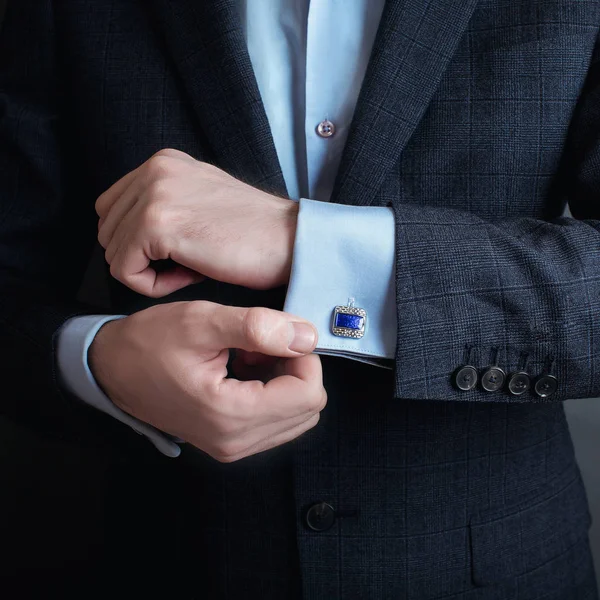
x=263, y=371
x=173, y=153
x=132, y=267
x=110, y=196
x=255, y=359
x=107, y=200
x=306, y=368
x=298, y=391
x=300, y=380
x=117, y=212
x=258, y=329
x=262, y=367
x=237, y=450
x=130, y=259
x=285, y=436
x=125, y=229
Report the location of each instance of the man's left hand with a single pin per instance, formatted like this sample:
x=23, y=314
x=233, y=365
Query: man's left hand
x=209, y=223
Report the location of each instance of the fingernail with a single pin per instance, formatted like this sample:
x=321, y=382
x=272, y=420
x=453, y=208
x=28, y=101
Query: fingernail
x=302, y=337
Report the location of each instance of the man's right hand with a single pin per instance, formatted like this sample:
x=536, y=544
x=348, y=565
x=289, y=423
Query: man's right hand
x=167, y=366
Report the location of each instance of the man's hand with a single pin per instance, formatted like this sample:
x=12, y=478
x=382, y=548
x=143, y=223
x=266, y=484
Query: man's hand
x=166, y=365
x=210, y=224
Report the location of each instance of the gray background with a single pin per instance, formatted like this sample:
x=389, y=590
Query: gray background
x=584, y=420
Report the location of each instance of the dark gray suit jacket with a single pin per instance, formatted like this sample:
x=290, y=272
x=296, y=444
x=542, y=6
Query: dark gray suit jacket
x=477, y=122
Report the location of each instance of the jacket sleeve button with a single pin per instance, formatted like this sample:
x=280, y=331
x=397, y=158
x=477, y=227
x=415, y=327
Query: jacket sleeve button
x=519, y=383
x=466, y=378
x=546, y=385
x=493, y=379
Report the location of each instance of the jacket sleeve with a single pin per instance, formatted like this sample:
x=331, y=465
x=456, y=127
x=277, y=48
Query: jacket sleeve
x=520, y=294
x=46, y=232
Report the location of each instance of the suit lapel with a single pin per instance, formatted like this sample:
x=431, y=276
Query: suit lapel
x=206, y=41
x=414, y=45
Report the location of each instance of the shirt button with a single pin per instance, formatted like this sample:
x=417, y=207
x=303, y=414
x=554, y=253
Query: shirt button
x=466, y=378
x=493, y=379
x=519, y=383
x=545, y=386
x=320, y=516
x=326, y=128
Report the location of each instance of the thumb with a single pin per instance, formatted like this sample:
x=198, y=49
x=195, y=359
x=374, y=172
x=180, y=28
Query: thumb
x=263, y=330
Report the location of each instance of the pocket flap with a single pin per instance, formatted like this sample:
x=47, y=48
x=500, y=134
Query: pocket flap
x=508, y=545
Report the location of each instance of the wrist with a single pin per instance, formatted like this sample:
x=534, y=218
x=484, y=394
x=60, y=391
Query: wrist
x=99, y=353
x=289, y=221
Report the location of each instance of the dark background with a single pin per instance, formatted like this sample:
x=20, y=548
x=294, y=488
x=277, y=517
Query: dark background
x=73, y=485
x=74, y=482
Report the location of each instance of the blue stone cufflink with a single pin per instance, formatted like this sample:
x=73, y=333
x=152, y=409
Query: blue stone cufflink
x=349, y=321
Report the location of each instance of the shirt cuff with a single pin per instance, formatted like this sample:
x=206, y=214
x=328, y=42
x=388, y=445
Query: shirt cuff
x=74, y=341
x=346, y=252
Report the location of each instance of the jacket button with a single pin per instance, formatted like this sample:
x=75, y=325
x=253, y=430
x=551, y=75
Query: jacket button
x=493, y=379
x=466, y=378
x=545, y=386
x=519, y=383
x=320, y=516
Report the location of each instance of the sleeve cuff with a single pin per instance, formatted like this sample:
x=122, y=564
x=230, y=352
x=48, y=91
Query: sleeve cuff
x=344, y=252
x=74, y=341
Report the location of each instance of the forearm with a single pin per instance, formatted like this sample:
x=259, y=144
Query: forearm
x=74, y=341
x=521, y=293
x=514, y=296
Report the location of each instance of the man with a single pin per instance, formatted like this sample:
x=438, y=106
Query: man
x=426, y=455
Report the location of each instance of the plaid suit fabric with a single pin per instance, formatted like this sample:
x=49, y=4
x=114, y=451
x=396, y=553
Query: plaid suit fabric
x=476, y=123
x=494, y=276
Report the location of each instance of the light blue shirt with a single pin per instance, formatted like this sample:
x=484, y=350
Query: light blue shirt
x=309, y=58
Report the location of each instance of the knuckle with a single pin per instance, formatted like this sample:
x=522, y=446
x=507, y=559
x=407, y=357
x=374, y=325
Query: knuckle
x=161, y=165
x=313, y=421
x=208, y=169
x=246, y=411
x=159, y=192
x=255, y=326
x=191, y=314
x=99, y=205
x=226, y=459
x=238, y=410
x=168, y=152
x=149, y=291
x=317, y=402
x=322, y=403
x=115, y=271
x=155, y=216
x=228, y=451
x=224, y=428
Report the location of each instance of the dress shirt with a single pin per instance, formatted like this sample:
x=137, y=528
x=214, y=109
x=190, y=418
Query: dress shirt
x=309, y=58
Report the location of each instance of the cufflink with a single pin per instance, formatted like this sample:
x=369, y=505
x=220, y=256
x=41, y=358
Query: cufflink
x=349, y=321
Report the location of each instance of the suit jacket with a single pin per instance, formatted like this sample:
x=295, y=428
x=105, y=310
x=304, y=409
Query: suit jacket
x=477, y=121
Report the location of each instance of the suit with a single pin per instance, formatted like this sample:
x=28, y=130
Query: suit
x=477, y=123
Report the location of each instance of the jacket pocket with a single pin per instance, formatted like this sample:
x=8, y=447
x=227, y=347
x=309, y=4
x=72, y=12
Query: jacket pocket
x=507, y=545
